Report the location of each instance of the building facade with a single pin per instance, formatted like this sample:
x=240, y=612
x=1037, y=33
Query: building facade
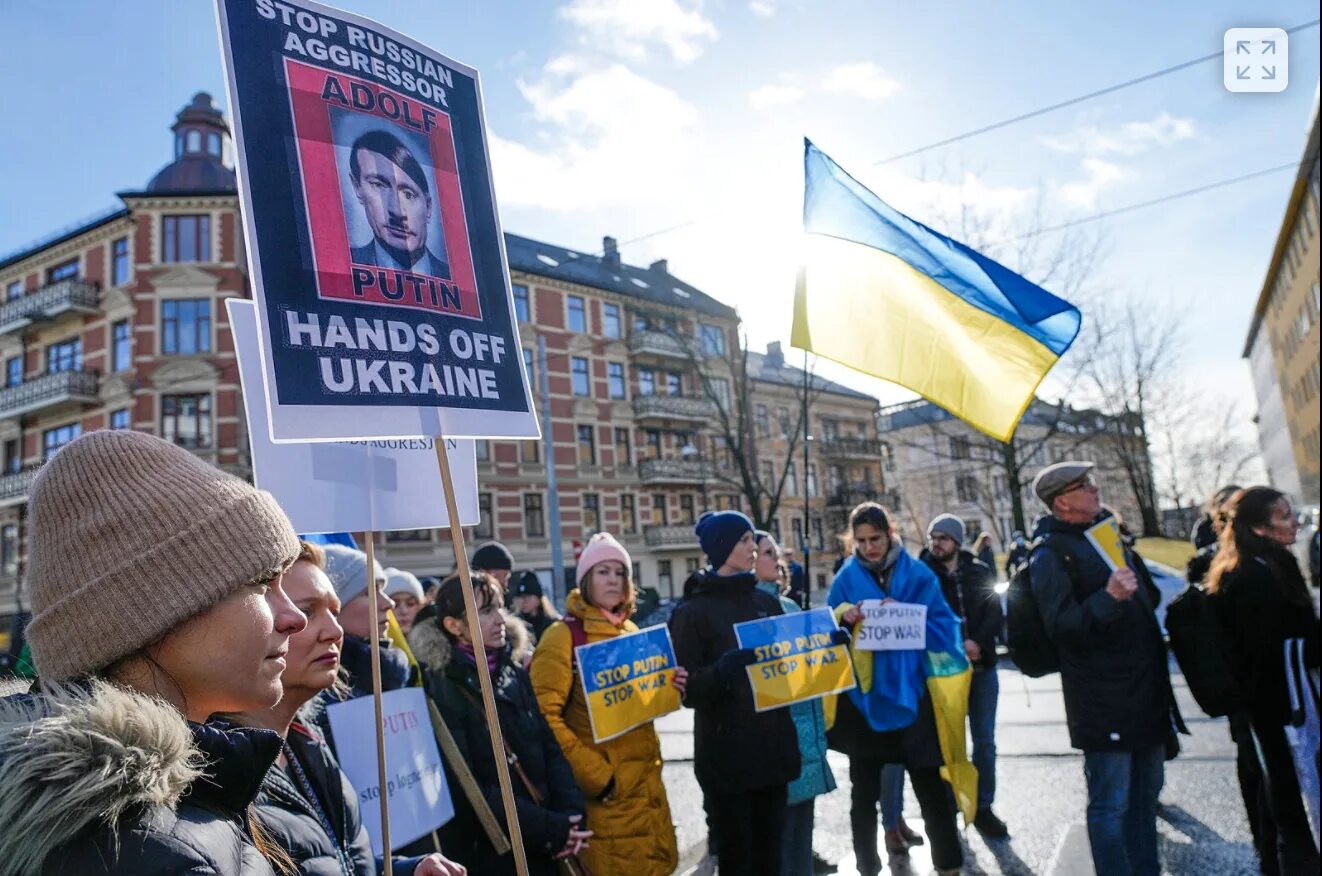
x=1283, y=341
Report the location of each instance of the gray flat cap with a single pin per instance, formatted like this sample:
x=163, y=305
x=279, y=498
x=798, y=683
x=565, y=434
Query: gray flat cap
x=1055, y=479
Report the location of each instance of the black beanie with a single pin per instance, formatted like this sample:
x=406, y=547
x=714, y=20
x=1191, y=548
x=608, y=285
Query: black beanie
x=492, y=555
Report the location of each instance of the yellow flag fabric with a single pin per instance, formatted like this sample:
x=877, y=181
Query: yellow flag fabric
x=950, y=703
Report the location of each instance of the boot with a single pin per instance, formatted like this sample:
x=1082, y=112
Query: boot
x=911, y=836
x=895, y=843
x=821, y=866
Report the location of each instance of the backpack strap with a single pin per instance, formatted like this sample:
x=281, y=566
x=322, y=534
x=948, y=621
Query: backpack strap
x=578, y=635
x=1066, y=557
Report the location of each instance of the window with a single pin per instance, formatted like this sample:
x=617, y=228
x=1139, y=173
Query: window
x=783, y=421
x=528, y=368
x=713, y=339
x=13, y=456
x=9, y=550
x=578, y=313
x=119, y=261
x=64, y=356
x=530, y=451
x=53, y=439
x=686, y=514
x=14, y=290
x=119, y=419
x=966, y=488
x=121, y=356
x=659, y=516
x=186, y=238
x=578, y=367
x=213, y=143
x=610, y=321
x=534, y=519
x=185, y=326
x=591, y=514
x=622, y=455
x=959, y=447
x=646, y=381
x=796, y=524
x=615, y=379
x=587, y=446
x=674, y=385
x=194, y=139
x=485, y=528
x=653, y=444
x=14, y=371
x=761, y=421
x=63, y=271
x=791, y=479
x=522, y=306
x=409, y=535
x=817, y=532
x=483, y=449
x=812, y=479
x=690, y=565
x=665, y=578
x=186, y=419
x=628, y=514
x=775, y=528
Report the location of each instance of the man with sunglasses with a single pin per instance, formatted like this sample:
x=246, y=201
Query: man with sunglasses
x=1118, y=700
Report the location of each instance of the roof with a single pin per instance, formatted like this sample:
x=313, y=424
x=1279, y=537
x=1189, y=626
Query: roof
x=772, y=369
x=55, y=238
x=657, y=286
x=922, y=412
x=193, y=174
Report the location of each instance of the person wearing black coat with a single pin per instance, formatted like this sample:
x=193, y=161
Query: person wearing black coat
x=1258, y=594
x=744, y=759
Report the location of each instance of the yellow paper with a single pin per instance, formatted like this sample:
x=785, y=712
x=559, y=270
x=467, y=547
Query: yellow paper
x=1105, y=537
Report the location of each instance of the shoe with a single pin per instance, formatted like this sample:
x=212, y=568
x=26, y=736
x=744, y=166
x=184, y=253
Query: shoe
x=989, y=825
x=895, y=843
x=821, y=866
x=911, y=836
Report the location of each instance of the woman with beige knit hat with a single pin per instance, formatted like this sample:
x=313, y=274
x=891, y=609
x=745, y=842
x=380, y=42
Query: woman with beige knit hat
x=633, y=833
x=155, y=581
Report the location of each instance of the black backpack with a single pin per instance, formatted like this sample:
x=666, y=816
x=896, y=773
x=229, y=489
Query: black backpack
x=1031, y=648
x=1197, y=642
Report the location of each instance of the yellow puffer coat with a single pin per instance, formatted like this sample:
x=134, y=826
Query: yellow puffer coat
x=633, y=834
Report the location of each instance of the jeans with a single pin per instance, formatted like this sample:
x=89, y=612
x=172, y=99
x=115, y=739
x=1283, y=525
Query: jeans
x=934, y=799
x=1122, y=809
x=751, y=827
x=796, y=846
x=983, y=694
x=892, y=795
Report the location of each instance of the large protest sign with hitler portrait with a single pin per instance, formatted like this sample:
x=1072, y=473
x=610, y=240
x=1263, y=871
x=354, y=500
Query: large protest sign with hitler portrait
x=376, y=251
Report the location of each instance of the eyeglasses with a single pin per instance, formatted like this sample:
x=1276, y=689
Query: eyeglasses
x=1088, y=482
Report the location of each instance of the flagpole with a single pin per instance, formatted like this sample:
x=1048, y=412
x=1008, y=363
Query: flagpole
x=807, y=539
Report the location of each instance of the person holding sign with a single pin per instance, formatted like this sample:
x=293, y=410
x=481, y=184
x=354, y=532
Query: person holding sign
x=744, y=759
x=879, y=593
x=632, y=831
x=550, y=804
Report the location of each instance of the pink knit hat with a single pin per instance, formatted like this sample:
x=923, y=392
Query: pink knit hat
x=601, y=547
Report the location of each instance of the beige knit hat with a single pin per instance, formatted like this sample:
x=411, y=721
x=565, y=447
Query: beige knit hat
x=131, y=536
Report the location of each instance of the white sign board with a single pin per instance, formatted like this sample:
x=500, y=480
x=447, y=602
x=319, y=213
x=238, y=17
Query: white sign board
x=892, y=626
x=415, y=780
x=348, y=486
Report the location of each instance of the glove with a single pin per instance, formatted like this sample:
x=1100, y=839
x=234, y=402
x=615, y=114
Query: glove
x=730, y=665
x=840, y=636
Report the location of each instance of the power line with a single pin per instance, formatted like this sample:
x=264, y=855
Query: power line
x=1110, y=89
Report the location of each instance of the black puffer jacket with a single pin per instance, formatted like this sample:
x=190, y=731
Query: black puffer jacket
x=1113, y=664
x=970, y=592
x=736, y=748
x=99, y=779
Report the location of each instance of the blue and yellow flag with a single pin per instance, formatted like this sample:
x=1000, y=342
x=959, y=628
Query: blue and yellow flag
x=889, y=296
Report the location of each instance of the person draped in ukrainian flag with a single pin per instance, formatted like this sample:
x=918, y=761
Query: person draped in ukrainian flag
x=909, y=705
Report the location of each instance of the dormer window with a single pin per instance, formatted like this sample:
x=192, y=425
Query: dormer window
x=213, y=144
x=194, y=141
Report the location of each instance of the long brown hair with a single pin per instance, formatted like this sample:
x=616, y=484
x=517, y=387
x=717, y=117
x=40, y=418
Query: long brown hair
x=1245, y=511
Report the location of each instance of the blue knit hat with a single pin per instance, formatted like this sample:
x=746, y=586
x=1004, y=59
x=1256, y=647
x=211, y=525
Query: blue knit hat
x=718, y=532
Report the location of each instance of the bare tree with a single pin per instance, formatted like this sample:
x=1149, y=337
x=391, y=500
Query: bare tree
x=1203, y=449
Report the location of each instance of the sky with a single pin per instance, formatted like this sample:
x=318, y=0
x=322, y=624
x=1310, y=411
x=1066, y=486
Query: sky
x=677, y=126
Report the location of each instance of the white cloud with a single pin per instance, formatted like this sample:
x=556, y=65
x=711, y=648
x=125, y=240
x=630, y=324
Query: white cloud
x=762, y=8
x=1100, y=174
x=628, y=27
x=769, y=96
x=1130, y=138
x=865, y=80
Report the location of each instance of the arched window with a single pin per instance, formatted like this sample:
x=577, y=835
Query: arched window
x=194, y=141
x=178, y=144
x=213, y=144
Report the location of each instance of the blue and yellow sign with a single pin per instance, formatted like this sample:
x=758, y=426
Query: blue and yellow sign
x=628, y=681
x=796, y=660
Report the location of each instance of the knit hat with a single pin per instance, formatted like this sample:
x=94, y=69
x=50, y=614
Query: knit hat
x=400, y=582
x=600, y=547
x=949, y=525
x=529, y=585
x=492, y=555
x=718, y=532
x=347, y=570
x=132, y=536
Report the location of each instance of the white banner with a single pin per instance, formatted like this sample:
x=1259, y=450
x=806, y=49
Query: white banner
x=892, y=626
x=415, y=780
x=348, y=486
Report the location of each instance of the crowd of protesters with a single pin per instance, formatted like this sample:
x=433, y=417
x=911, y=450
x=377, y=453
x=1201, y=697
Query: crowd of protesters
x=178, y=718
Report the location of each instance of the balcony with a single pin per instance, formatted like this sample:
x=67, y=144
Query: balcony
x=849, y=495
x=850, y=448
x=670, y=537
x=646, y=342
x=47, y=303
x=48, y=391
x=14, y=487
x=673, y=471
x=669, y=407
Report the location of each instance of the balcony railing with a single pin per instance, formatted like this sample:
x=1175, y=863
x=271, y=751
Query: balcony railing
x=850, y=448
x=668, y=407
x=677, y=536
x=47, y=303
x=14, y=487
x=673, y=471
x=654, y=343
x=850, y=495
x=47, y=391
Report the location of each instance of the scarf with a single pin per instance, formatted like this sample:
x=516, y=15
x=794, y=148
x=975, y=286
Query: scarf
x=468, y=654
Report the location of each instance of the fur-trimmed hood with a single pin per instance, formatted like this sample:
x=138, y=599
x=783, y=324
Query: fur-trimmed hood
x=431, y=647
x=77, y=754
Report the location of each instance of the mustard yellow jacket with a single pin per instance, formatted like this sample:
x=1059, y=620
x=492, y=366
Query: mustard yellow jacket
x=633, y=834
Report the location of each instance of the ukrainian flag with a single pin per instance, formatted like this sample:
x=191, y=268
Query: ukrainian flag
x=889, y=296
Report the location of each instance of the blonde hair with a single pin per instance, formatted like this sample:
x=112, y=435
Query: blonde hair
x=630, y=600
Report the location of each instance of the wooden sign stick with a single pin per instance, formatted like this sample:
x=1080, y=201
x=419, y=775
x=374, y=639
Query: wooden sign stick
x=480, y=656
x=375, y=650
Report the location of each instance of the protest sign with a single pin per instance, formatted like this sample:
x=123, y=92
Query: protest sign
x=1105, y=538
x=376, y=252
x=347, y=487
x=628, y=681
x=891, y=626
x=415, y=785
x=795, y=658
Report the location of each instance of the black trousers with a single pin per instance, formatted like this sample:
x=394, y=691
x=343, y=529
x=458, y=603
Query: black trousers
x=1280, y=800
x=934, y=799
x=750, y=826
x=1249, y=771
